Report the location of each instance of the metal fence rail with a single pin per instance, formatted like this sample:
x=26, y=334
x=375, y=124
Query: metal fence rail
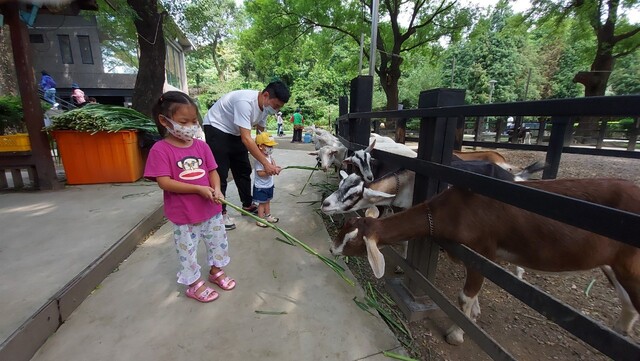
x=440, y=120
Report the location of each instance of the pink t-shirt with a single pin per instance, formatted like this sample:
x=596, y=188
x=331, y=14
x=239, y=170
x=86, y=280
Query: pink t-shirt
x=188, y=165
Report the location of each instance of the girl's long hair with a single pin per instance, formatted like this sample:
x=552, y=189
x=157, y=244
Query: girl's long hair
x=167, y=105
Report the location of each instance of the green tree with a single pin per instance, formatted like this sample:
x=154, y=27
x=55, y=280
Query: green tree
x=615, y=36
x=210, y=23
x=287, y=23
x=625, y=79
x=497, y=49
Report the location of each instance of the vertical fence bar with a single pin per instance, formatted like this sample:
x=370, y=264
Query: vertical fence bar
x=436, y=142
x=601, y=133
x=459, y=138
x=633, y=134
x=343, y=108
x=559, y=128
x=361, y=100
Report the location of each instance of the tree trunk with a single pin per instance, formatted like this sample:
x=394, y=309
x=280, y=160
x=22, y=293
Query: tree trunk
x=151, y=67
x=216, y=64
x=389, y=76
x=595, y=81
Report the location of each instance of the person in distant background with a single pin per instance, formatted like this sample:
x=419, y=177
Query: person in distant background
x=48, y=86
x=77, y=95
x=92, y=100
x=279, y=120
x=298, y=124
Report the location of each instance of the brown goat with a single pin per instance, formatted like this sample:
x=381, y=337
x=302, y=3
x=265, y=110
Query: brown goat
x=487, y=155
x=501, y=231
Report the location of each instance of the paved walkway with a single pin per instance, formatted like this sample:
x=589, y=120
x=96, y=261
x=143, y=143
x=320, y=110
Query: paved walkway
x=50, y=239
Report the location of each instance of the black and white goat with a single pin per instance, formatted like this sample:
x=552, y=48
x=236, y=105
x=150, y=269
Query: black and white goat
x=396, y=188
x=333, y=153
x=371, y=169
x=527, y=239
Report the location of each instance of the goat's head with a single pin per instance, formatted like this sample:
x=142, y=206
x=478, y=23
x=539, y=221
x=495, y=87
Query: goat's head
x=361, y=159
x=352, y=194
x=357, y=238
x=326, y=156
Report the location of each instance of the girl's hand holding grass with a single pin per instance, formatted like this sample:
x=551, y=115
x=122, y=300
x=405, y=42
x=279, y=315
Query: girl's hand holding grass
x=218, y=197
x=206, y=192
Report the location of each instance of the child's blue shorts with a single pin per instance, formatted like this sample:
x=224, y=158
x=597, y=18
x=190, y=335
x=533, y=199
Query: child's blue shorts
x=262, y=195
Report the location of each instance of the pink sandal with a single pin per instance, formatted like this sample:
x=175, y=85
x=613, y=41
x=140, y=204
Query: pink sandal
x=225, y=283
x=208, y=295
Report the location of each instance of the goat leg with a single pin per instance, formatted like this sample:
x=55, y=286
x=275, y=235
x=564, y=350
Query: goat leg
x=469, y=304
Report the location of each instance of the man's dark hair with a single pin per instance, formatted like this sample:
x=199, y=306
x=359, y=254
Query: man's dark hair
x=278, y=89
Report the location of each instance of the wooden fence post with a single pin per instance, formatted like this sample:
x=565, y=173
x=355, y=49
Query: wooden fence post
x=561, y=128
x=361, y=100
x=436, y=142
x=343, y=108
x=633, y=134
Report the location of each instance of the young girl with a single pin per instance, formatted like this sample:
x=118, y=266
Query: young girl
x=185, y=170
x=263, y=183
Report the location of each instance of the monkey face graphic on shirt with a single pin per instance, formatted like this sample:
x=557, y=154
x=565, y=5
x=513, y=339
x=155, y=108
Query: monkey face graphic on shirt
x=191, y=168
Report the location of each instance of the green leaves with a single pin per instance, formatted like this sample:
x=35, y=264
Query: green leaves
x=98, y=117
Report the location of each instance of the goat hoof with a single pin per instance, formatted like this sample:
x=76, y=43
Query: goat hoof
x=455, y=336
x=398, y=270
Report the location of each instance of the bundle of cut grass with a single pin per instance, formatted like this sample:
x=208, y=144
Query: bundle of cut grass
x=100, y=117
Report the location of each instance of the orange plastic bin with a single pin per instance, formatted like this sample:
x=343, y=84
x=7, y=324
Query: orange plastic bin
x=100, y=158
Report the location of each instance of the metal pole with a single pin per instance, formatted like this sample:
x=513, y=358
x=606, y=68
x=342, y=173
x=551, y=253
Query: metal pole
x=453, y=70
x=374, y=36
x=361, y=53
x=526, y=88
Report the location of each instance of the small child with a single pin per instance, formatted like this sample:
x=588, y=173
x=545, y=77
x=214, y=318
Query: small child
x=185, y=170
x=262, y=182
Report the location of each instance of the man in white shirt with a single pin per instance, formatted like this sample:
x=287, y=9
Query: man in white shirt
x=227, y=127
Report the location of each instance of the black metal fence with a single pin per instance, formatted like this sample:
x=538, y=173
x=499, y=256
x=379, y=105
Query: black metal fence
x=442, y=116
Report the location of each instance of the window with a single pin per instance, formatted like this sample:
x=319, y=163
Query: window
x=173, y=66
x=36, y=39
x=85, y=49
x=65, y=49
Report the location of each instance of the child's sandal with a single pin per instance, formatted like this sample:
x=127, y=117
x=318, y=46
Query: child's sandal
x=260, y=224
x=208, y=295
x=225, y=282
x=271, y=219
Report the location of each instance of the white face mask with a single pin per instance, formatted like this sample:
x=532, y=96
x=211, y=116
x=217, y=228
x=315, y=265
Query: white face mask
x=268, y=150
x=182, y=132
x=268, y=109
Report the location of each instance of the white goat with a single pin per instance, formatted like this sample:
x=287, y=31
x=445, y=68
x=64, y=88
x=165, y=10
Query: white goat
x=527, y=239
x=329, y=155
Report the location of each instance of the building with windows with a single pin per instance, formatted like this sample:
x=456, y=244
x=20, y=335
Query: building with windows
x=68, y=48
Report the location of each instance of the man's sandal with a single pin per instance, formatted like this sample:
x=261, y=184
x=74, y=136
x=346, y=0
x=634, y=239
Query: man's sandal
x=225, y=282
x=208, y=295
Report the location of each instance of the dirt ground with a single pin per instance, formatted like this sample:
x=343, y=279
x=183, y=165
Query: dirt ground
x=522, y=331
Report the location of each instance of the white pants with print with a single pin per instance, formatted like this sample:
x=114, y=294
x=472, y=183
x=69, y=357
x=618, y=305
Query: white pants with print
x=188, y=236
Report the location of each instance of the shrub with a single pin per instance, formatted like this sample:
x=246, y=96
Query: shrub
x=11, y=115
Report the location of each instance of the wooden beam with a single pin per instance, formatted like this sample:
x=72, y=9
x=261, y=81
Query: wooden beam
x=33, y=115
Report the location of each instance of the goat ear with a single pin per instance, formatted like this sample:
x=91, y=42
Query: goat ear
x=375, y=257
x=372, y=212
x=347, y=161
x=375, y=196
x=343, y=174
x=313, y=153
x=370, y=147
